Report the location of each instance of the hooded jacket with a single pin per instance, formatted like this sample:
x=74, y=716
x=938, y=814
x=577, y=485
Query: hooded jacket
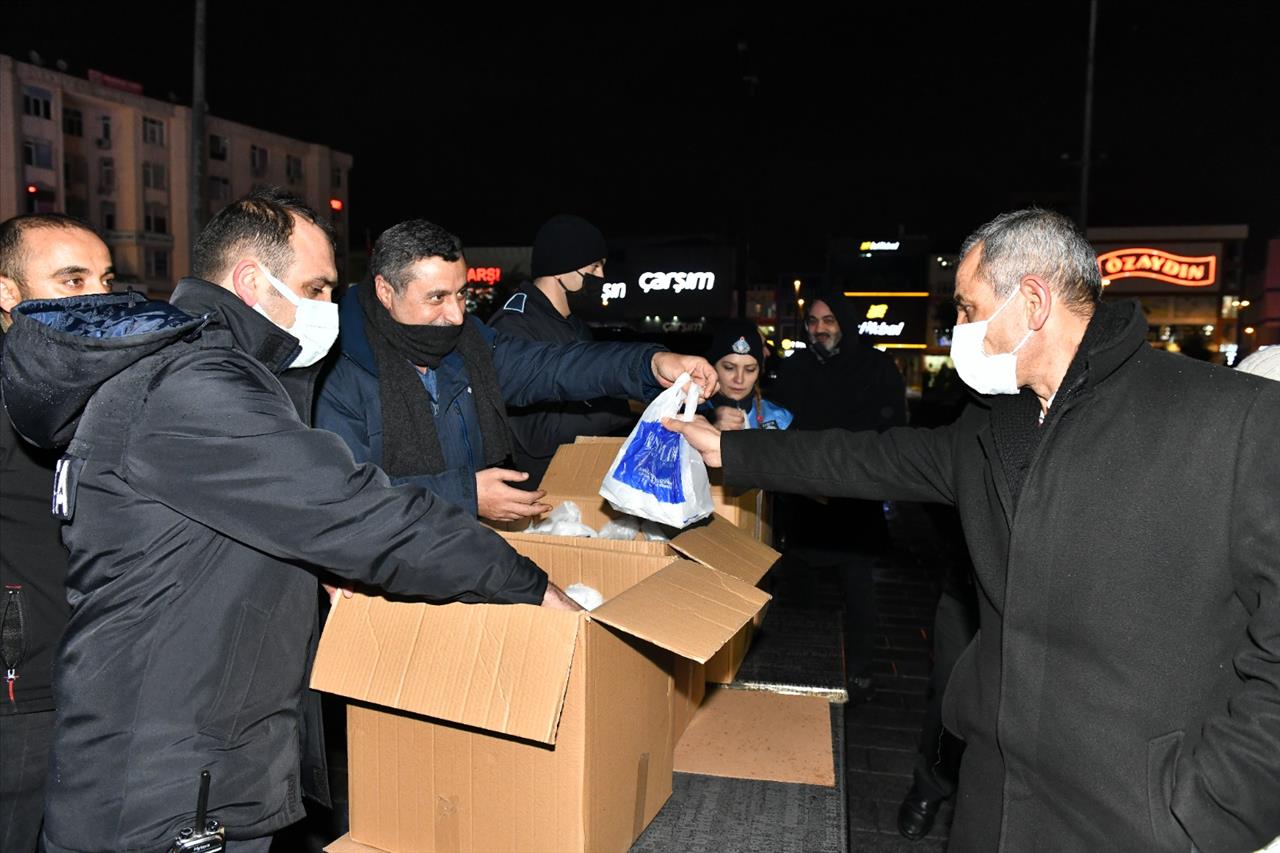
x=1123, y=691
x=528, y=371
x=199, y=505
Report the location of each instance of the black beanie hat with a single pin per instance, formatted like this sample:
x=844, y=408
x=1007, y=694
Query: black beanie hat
x=566, y=243
x=736, y=337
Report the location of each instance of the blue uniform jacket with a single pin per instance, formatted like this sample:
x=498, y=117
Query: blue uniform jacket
x=528, y=372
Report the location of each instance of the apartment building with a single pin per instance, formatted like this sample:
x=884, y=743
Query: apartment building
x=101, y=150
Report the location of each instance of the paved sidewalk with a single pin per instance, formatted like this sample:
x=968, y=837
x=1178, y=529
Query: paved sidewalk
x=882, y=733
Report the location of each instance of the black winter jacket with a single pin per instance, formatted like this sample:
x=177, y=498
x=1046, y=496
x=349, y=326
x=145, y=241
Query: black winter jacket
x=33, y=567
x=541, y=428
x=1123, y=692
x=200, y=504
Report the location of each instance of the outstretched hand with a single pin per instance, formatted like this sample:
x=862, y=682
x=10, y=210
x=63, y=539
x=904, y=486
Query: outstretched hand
x=701, y=435
x=667, y=367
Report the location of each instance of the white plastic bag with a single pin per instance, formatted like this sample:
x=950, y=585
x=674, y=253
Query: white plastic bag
x=564, y=520
x=657, y=475
x=588, y=598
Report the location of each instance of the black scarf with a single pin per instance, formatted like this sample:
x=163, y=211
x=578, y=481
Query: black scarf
x=410, y=444
x=1015, y=420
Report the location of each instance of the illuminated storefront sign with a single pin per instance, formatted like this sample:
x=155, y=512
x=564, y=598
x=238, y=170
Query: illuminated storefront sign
x=1159, y=265
x=668, y=282
x=484, y=275
x=891, y=320
x=878, y=246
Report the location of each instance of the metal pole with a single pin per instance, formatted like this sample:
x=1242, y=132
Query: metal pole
x=196, y=181
x=1086, y=147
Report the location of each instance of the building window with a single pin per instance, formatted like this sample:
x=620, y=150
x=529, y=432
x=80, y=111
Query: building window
x=154, y=176
x=72, y=122
x=107, y=210
x=104, y=131
x=157, y=263
x=335, y=177
x=156, y=219
x=292, y=168
x=37, y=102
x=38, y=153
x=219, y=188
x=258, y=160
x=217, y=147
x=107, y=175
x=75, y=169
x=152, y=131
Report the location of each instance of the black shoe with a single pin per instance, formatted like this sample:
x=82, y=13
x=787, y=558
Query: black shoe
x=916, y=814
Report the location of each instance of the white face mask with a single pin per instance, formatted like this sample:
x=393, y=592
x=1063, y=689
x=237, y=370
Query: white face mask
x=315, y=324
x=986, y=374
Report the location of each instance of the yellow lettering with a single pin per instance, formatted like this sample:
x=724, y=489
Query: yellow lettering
x=1195, y=272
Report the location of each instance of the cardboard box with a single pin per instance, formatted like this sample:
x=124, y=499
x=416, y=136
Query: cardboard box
x=575, y=474
x=490, y=727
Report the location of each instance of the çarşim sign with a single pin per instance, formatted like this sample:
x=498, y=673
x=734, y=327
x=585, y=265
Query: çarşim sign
x=1159, y=265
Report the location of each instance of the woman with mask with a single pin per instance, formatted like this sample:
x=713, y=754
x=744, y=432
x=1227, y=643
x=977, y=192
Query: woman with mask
x=737, y=353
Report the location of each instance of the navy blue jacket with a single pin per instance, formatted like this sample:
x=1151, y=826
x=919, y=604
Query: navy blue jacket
x=528, y=372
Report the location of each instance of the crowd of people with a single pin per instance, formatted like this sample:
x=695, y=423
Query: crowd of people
x=213, y=461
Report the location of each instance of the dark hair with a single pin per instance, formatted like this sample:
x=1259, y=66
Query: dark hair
x=403, y=245
x=258, y=224
x=1042, y=242
x=13, y=258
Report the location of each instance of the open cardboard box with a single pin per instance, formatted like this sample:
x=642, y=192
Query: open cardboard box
x=575, y=474
x=491, y=727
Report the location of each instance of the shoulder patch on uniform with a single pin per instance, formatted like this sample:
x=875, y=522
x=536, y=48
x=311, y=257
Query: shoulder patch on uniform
x=516, y=303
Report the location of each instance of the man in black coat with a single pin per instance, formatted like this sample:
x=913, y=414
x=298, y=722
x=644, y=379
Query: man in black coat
x=42, y=256
x=567, y=265
x=840, y=381
x=1121, y=507
x=201, y=509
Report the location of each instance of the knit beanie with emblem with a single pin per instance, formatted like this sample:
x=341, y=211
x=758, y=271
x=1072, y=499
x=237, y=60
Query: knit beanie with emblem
x=566, y=243
x=736, y=337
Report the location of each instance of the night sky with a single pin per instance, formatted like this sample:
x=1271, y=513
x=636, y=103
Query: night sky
x=790, y=123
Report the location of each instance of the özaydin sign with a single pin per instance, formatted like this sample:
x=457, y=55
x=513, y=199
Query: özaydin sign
x=1159, y=265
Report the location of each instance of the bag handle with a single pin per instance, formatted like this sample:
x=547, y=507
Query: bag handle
x=691, y=401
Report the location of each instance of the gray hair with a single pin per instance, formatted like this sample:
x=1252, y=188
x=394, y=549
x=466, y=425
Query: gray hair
x=1037, y=242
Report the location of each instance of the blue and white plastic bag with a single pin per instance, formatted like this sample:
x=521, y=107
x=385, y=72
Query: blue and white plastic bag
x=657, y=475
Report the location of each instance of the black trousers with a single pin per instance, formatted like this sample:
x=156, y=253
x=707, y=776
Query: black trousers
x=24, y=767
x=955, y=622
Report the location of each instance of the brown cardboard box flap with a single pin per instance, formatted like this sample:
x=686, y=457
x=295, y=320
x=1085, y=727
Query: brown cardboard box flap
x=504, y=668
x=346, y=845
x=686, y=608
x=577, y=470
x=726, y=548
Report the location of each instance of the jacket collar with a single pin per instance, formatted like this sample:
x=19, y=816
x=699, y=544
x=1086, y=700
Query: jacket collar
x=539, y=299
x=252, y=333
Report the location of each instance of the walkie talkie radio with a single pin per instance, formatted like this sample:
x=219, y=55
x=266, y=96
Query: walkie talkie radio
x=207, y=836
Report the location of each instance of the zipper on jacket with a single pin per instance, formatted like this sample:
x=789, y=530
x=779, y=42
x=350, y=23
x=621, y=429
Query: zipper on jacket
x=13, y=637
